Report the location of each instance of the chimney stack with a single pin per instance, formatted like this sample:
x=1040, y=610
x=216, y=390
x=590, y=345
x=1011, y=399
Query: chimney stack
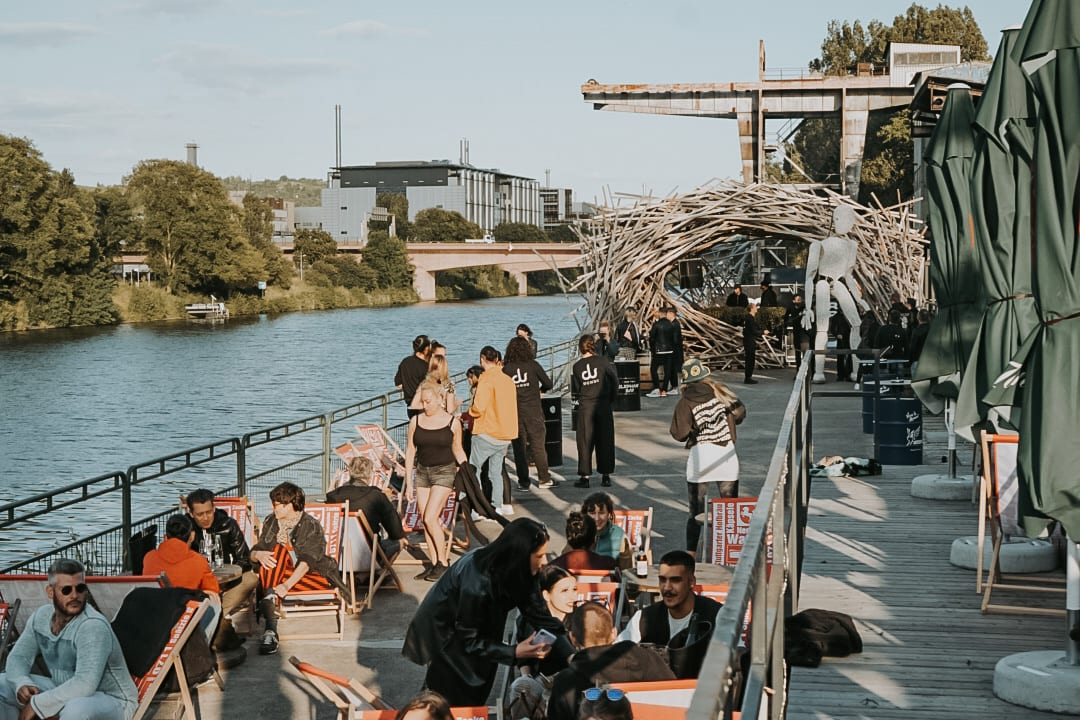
x=337, y=136
x=193, y=154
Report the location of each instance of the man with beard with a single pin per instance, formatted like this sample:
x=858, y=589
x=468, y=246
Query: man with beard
x=659, y=622
x=88, y=677
x=600, y=660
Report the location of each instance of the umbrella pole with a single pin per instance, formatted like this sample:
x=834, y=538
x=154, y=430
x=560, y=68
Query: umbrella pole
x=1072, y=602
x=950, y=428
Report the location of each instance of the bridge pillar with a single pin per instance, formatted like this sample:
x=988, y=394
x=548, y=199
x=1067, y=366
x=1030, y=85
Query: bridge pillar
x=749, y=144
x=523, y=286
x=852, y=144
x=424, y=284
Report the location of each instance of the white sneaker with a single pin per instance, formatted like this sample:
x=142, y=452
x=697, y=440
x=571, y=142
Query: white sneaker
x=653, y=394
x=505, y=510
x=476, y=516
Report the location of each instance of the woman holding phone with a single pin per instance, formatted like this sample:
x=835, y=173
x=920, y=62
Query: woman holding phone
x=457, y=629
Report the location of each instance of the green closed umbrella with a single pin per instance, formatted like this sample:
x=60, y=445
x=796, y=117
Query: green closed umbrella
x=953, y=271
x=1048, y=50
x=1000, y=203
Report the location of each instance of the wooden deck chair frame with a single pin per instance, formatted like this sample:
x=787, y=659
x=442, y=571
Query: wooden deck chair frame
x=8, y=613
x=990, y=511
x=169, y=659
x=343, y=692
x=380, y=568
x=376, y=436
x=613, y=595
x=447, y=518
x=312, y=603
x=642, y=522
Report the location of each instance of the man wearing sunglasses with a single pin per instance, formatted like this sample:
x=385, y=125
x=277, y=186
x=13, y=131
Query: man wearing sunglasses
x=88, y=677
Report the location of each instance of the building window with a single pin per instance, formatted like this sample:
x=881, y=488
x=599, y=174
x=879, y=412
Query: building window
x=344, y=207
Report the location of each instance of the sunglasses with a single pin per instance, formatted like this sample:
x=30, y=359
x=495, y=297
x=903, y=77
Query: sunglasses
x=66, y=589
x=612, y=694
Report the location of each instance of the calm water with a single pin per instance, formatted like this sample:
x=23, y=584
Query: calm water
x=79, y=403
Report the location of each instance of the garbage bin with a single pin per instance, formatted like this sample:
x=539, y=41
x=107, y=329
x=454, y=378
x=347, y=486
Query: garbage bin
x=552, y=407
x=627, y=398
x=899, y=431
x=869, y=387
x=645, y=375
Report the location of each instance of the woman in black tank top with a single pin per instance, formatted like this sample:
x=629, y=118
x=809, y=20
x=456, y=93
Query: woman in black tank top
x=432, y=454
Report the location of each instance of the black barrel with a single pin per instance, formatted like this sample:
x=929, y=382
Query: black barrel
x=869, y=387
x=626, y=396
x=899, y=432
x=552, y=407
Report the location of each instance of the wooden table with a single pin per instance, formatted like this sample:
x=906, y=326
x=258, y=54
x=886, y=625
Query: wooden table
x=227, y=573
x=706, y=574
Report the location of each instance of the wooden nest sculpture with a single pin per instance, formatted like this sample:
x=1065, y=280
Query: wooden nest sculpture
x=632, y=248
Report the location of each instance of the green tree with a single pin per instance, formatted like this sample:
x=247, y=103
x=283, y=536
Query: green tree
x=348, y=272
x=117, y=229
x=398, y=206
x=256, y=222
x=518, y=232
x=886, y=159
x=192, y=232
x=389, y=259
x=53, y=272
x=437, y=225
x=314, y=245
x=561, y=233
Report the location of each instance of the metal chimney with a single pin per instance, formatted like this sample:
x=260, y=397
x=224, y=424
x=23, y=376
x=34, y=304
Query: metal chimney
x=547, y=178
x=193, y=154
x=337, y=136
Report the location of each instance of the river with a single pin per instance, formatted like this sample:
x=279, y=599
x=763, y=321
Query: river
x=80, y=402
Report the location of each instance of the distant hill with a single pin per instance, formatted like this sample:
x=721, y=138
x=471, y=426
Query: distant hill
x=303, y=191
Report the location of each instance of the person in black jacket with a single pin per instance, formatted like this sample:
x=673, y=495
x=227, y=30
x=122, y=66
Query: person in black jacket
x=751, y=333
x=531, y=380
x=457, y=630
x=412, y=370
x=768, y=295
x=377, y=508
x=628, y=334
x=600, y=660
x=605, y=344
x=659, y=622
x=662, y=338
x=737, y=299
x=211, y=523
x=891, y=339
x=593, y=384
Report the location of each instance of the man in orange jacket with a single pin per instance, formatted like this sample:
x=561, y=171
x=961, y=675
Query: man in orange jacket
x=494, y=407
x=185, y=568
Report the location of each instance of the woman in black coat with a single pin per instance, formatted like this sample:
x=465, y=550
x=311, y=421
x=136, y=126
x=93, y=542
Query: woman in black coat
x=457, y=631
x=593, y=384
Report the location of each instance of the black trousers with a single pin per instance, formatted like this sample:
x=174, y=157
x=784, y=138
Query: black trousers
x=696, y=493
x=667, y=362
x=532, y=434
x=749, y=360
x=595, y=431
x=444, y=679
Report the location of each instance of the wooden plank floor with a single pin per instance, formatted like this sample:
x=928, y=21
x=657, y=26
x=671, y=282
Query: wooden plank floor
x=882, y=556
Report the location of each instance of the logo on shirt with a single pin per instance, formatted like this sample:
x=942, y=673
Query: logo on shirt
x=589, y=373
x=519, y=378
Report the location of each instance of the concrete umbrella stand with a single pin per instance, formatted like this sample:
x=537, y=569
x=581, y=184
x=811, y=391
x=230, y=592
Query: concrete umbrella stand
x=1048, y=679
x=945, y=487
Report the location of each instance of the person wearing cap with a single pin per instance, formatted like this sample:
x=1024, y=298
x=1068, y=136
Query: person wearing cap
x=705, y=419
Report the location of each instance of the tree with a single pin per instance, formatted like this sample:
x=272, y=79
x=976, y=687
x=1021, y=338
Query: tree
x=518, y=232
x=53, y=272
x=398, y=206
x=437, y=225
x=389, y=259
x=314, y=245
x=257, y=225
x=561, y=233
x=348, y=273
x=886, y=164
x=117, y=229
x=192, y=232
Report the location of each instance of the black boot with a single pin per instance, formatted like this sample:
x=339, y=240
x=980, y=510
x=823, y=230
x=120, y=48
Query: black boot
x=582, y=482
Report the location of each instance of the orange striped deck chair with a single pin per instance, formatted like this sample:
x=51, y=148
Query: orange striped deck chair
x=365, y=557
x=314, y=595
x=719, y=593
x=8, y=613
x=241, y=510
x=169, y=659
x=637, y=525
x=606, y=593
x=386, y=454
x=350, y=697
x=672, y=696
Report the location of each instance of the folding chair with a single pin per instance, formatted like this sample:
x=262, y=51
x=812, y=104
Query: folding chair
x=311, y=603
x=349, y=696
x=604, y=592
x=8, y=613
x=998, y=504
x=389, y=457
x=239, y=509
x=412, y=522
x=458, y=713
x=366, y=556
x=169, y=659
x=637, y=526
x=669, y=694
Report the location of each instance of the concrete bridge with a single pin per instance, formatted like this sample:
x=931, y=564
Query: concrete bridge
x=518, y=259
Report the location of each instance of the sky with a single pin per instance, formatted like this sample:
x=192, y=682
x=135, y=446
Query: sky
x=99, y=86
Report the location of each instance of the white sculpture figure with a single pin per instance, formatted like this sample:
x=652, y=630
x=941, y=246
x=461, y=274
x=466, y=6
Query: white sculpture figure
x=829, y=271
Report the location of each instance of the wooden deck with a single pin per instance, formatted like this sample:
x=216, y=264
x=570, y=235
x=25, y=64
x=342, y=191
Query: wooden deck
x=877, y=553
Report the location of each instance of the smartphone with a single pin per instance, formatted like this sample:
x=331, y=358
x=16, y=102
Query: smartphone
x=543, y=637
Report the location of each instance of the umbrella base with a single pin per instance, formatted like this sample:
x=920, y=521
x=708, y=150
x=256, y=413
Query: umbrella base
x=942, y=487
x=1042, y=680
x=1018, y=555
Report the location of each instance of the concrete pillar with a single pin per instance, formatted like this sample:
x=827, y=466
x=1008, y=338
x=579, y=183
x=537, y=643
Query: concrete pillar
x=424, y=284
x=852, y=144
x=523, y=287
x=748, y=144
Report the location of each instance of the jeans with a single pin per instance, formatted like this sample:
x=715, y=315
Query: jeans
x=98, y=706
x=484, y=448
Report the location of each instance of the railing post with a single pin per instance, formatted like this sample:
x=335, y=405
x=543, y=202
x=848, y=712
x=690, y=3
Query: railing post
x=125, y=518
x=327, y=443
x=385, y=411
x=241, y=466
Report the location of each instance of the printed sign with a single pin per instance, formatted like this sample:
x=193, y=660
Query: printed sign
x=730, y=525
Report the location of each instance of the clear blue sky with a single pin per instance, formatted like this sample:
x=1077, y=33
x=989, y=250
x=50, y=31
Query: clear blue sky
x=99, y=86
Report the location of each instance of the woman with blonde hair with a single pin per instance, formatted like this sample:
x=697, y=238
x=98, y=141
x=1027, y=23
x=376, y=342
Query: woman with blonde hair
x=705, y=418
x=433, y=452
x=439, y=373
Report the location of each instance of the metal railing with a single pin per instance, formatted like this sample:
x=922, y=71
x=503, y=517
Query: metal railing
x=300, y=451
x=770, y=592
